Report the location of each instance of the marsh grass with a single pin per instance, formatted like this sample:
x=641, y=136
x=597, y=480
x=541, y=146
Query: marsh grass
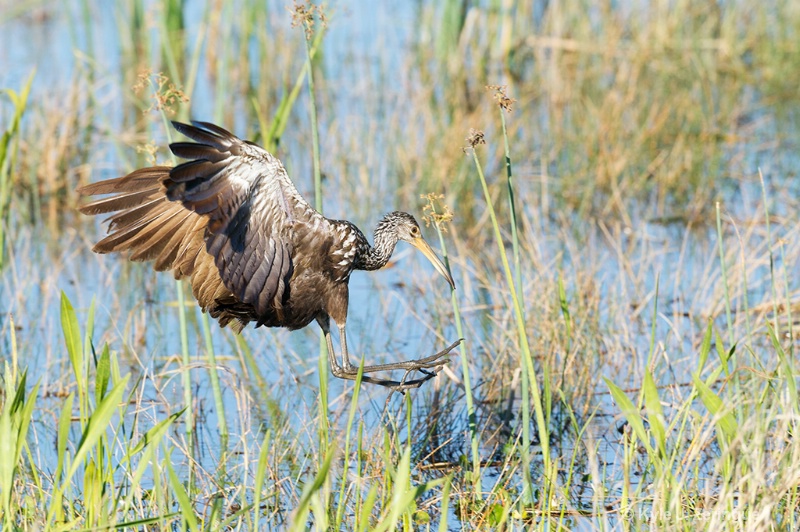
x=9, y=148
x=526, y=359
x=631, y=283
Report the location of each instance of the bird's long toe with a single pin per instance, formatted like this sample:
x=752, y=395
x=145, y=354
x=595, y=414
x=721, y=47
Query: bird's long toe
x=436, y=359
x=433, y=361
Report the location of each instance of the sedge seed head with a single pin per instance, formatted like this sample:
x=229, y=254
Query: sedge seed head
x=436, y=211
x=165, y=95
x=305, y=15
x=501, y=97
x=475, y=137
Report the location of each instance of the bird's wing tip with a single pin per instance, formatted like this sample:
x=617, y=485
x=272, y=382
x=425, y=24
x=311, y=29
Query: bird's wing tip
x=178, y=125
x=213, y=129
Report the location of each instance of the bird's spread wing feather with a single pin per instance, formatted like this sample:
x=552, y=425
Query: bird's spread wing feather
x=144, y=222
x=224, y=219
x=250, y=204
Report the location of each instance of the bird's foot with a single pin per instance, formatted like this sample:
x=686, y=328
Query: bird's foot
x=423, y=365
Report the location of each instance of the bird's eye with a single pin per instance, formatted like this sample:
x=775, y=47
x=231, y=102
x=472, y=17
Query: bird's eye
x=415, y=231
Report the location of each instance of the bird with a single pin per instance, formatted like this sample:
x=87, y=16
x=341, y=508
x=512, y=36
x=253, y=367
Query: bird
x=230, y=220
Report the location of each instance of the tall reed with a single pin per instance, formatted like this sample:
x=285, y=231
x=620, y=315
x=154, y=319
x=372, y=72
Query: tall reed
x=439, y=220
x=505, y=104
x=9, y=145
x=311, y=19
x=476, y=138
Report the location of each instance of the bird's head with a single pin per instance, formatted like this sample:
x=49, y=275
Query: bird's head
x=406, y=228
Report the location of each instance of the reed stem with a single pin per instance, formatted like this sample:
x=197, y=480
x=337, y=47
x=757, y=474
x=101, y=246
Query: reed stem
x=186, y=376
x=524, y=384
x=215, y=386
x=471, y=415
x=520, y=322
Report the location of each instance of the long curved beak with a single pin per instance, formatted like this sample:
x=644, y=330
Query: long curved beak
x=426, y=250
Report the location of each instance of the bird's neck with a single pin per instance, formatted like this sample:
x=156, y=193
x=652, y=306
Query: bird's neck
x=376, y=256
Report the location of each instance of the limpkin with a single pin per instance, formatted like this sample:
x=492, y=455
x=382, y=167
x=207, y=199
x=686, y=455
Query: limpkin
x=231, y=221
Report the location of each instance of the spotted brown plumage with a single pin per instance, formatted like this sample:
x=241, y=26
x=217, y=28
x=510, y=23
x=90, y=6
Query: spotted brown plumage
x=231, y=221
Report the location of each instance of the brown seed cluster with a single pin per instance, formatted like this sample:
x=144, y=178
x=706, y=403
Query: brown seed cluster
x=501, y=97
x=166, y=96
x=436, y=211
x=305, y=14
x=475, y=137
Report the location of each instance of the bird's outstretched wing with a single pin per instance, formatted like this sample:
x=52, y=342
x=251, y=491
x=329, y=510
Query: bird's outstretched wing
x=225, y=218
x=251, y=206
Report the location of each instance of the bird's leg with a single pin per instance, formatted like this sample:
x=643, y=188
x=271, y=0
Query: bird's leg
x=324, y=323
x=346, y=365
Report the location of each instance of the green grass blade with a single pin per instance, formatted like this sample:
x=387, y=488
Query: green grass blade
x=15, y=419
x=8, y=157
x=462, y=349
x=186, y=376
x=445, y=506
x=96, y=426
x=403, y=501
x=216, y=389
x=154, y=435
x=187, y=510
x=147, y=446
x=364, y=522
x=399, y=502
x=23, y=421
x=72, y=341
x=301, y=513
x=103, y=375
x=98, y=423
x=655, y=414
x=526, y=362
x=564, y=304
x=773, y=280
x=631, y=414
x=64, y=421
x=139, y=524
x=787, y=367
x=724, y=420
x=281, y=119
x=348, y=429
x=88, y=332
x=705, y=347
x=724, y=272
x=261, y=473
